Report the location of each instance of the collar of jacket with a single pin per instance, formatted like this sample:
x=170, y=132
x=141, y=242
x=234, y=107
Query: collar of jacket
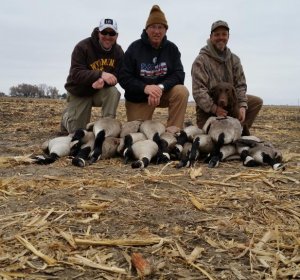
x=211, y=51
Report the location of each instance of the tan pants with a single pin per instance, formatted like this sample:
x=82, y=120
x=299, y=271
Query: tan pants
x=254, y=105
x=175, y=100
x=78, y=111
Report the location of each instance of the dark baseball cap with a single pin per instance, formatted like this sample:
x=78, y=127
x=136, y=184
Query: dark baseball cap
x=219, y=23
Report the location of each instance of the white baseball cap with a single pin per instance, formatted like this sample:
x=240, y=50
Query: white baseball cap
x=108, y=23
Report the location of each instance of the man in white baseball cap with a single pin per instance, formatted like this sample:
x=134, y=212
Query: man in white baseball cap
x=93, y=76
x=108, y=23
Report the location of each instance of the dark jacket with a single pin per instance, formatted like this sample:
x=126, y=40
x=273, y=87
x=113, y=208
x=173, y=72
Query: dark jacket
x=144, y=65
x=87, y=63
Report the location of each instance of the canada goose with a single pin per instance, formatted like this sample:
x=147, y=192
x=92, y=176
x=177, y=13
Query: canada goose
x=130, y=127
x=181, y=139
x=109, y=150
x=56, y=148
x=166, y=143
x=222, y=130
x=202, y=145
x=143, y=151
x=191, y=131
x=104, y=127
x=169, y=138
x=150, y=127
x=255, y=152
x=185, y=135
x=129, y=140
x=86, y=140
x=246, y=142
x=185, y=155
x=227, y=151
x=110, y=146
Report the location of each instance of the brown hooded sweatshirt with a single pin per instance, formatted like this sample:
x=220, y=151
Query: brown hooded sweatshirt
x=88, y=61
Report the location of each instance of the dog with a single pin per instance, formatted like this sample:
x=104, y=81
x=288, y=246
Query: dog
x=224, y=95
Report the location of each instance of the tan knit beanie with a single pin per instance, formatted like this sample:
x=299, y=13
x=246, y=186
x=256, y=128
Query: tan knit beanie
x=156, y=16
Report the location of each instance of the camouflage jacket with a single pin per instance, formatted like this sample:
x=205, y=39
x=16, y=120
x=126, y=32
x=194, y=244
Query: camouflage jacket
x=209, y=69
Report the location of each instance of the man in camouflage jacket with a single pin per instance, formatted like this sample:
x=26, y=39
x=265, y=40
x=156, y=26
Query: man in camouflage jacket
x=214, y=64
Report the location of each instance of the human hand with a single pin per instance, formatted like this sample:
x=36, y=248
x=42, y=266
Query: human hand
x=242, y=114
x=109, y=78
x=98, y=84
x=153, y=101
x=153, y=91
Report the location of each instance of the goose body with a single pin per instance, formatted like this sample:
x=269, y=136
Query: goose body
x=104, y=127
x=55, y=148
x=110, y=146
x=222, y=130
x=192, y=130
x=226, y=151
x=129, y=140
x=171, y=141
x=185, y=135
x=112, y=127
x=228, y=126
x=143, y=151
x=150, y=127
x=166, y=143
x=202, y=145
x=185, y=155
x=255, y=152
x=59, y=145
x=130, y=127
x=86, y=140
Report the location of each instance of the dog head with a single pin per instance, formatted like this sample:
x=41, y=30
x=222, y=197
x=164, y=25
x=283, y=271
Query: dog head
x=224, y=95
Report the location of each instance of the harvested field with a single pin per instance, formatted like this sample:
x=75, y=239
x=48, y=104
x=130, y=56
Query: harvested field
x=103, y=221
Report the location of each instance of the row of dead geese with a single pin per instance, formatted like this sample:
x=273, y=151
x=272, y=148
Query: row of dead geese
x=148, y=141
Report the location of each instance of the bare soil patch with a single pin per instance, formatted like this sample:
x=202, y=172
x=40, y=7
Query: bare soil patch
x=64, y=222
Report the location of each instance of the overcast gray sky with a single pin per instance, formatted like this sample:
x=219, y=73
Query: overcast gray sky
x=38, y=36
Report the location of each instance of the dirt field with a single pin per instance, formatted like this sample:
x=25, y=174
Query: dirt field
x=64, y=222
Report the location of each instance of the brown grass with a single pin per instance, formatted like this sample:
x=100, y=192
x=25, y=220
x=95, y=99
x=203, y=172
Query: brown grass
x=63, y=222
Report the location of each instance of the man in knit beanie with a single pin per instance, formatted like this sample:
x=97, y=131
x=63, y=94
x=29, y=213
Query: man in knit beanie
x=152, y=74
x=156, y=16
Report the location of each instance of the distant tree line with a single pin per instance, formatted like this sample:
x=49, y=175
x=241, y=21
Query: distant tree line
x=34, y=91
